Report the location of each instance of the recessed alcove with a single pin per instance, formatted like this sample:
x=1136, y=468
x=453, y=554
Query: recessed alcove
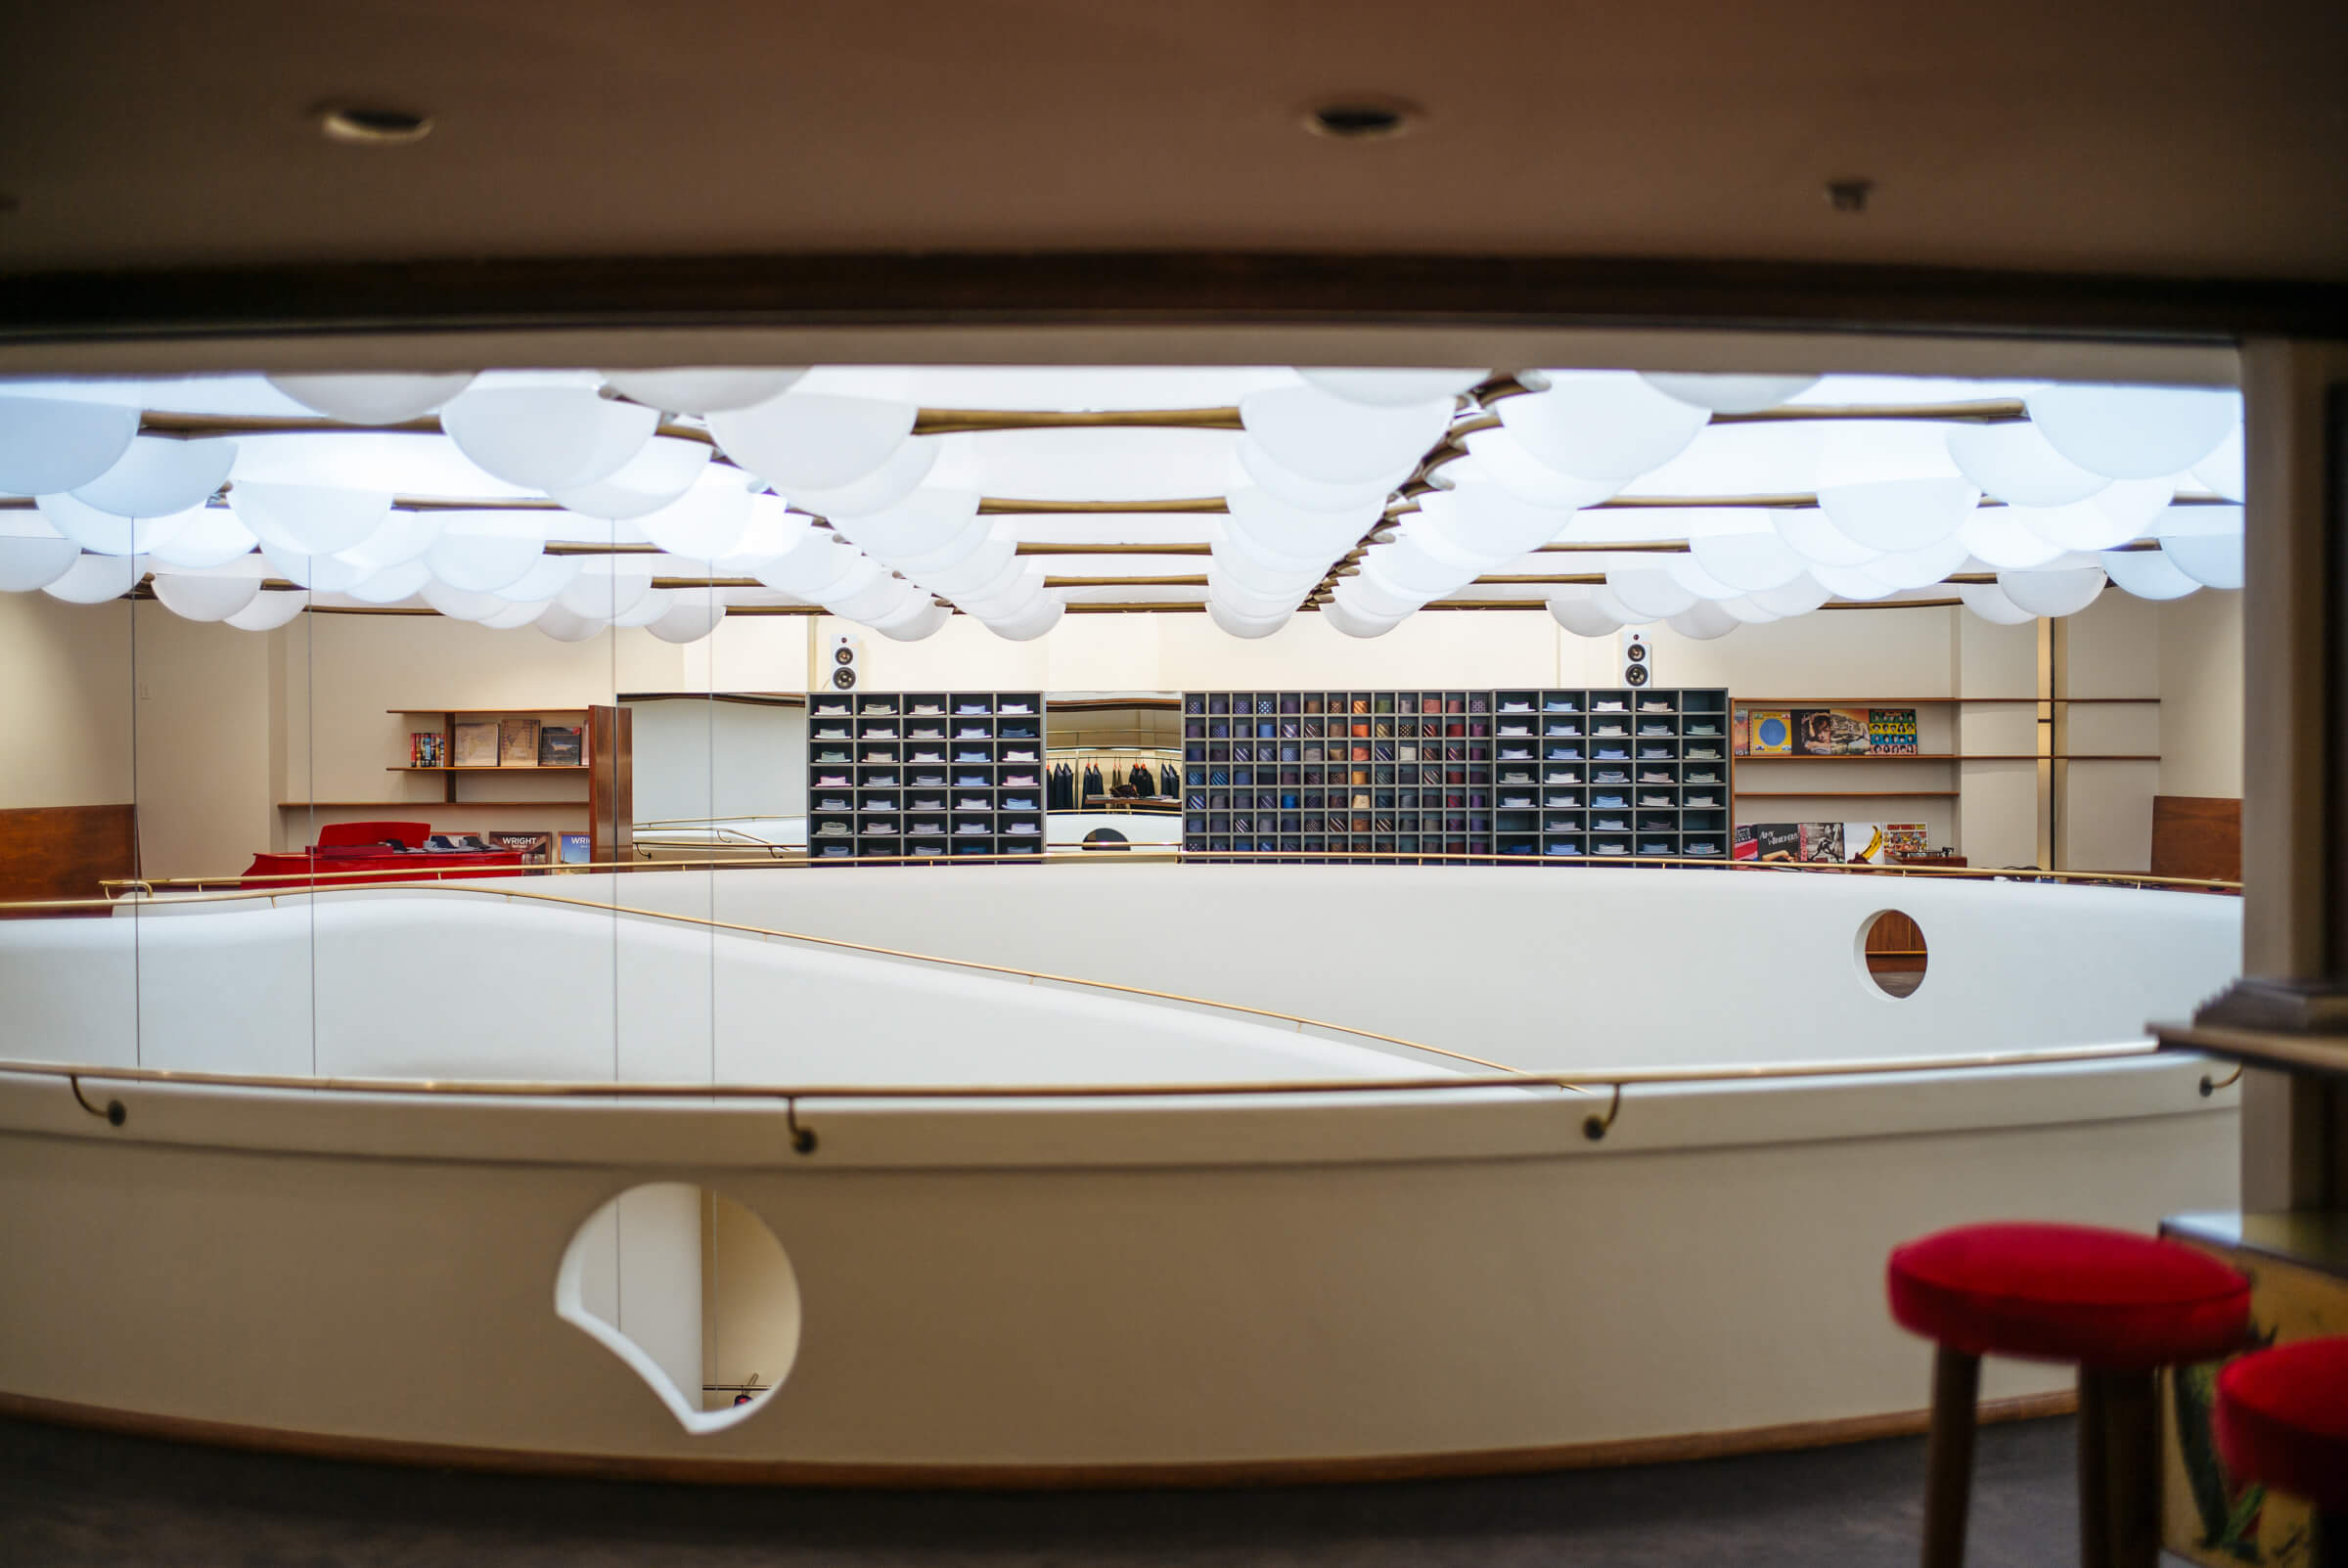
x=1892, y=952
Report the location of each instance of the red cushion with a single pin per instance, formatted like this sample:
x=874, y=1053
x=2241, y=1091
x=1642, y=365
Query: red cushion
x=2282, y=1419
x=2069, y=1293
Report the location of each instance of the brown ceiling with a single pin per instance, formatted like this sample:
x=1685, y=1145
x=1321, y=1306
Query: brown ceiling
x=2153, y=137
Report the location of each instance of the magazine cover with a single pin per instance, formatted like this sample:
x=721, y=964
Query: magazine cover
x=1771, y=731
x=537, y=848
x=1902, y=839
x=1891, y=730
x=1862, y=843
x=1829, y=731
x=1818, y=841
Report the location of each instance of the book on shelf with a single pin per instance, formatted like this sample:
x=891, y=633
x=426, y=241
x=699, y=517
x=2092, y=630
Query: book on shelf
x=1770, y=731
x=573, y=849
x=427, y=749
x=1768, y=840
x=1739, y=746
x=518, y=743
x=1891, y=731
x=1829, y=731
x=561, y=745
x=536, y=848
x=475, y=744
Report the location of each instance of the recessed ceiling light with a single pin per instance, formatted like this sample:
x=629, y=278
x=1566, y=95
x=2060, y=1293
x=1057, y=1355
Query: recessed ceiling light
x=372, y=124
x=1361, y=116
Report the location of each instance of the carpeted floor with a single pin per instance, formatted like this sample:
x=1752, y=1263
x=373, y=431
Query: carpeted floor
x=75, y=1496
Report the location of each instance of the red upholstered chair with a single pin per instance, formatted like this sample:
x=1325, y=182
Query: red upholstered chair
x=2116, y=1305
x=2283, y=1419
x=406, y=834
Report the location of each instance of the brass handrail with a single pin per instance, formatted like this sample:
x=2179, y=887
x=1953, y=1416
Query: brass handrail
x=1166, y=853
x=1576, y=1082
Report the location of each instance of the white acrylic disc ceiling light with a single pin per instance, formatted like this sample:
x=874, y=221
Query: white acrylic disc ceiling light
x=1649, y=592
x=706, y=522
x=30, y=560
x=2112, y=516
x=804, y=440
x=1485, y=519
x=2214, y=561
x=1588, y=610
x=207, y=536
x=308, y=520
x=2015, y=463
x=1989, y=601
x=1601, y=425
x=1504, y=458
x=905, y=470
x=2147, y=574
x=2062, y=591
x=2134, y=433
x=547, y=438
x=48, y=446
x=481, y=551
x=1729, y=394
x=656, y=477
x=1332, y=440
x=1748, y=562
x=703, y=389
x=1393, y=387
x=159, y=475
x=109, y=534
x=1258, y=470
x=205, y=598
x=1896, y=515
x=270, y=608
x=95, y=579
x=372, y=400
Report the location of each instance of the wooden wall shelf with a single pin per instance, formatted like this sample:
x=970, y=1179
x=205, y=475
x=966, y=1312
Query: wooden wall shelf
x=1948, y=756
x=475, y=712
x=1920, y=701
x=580, y=804
x=539, y=767
x=1847, y=794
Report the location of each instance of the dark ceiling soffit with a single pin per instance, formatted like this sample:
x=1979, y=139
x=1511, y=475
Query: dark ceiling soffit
x=1072, y=289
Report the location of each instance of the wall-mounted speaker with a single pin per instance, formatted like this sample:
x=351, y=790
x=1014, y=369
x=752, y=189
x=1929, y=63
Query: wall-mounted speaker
x=1638, y=659
x=847, y=665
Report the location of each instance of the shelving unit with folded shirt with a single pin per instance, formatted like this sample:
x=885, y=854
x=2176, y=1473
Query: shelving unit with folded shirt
x=911, y=776
x=1324, y=773
x=1613, y=772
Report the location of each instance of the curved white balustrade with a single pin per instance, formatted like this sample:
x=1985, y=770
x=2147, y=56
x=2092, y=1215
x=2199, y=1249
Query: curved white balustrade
x=1030, y=1286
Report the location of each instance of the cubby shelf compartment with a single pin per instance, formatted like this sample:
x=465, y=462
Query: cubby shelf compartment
x=1450, y=771
x=924, y=775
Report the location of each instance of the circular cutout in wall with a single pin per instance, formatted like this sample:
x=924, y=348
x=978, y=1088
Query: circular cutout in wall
x=691, y=1292
x=1892, y=952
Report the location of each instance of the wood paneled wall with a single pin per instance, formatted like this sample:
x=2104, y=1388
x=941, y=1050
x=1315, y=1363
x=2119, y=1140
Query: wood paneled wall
x=50, y=852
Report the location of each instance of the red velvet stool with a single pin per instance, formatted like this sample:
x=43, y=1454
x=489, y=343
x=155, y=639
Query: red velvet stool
x=2116, y=1305
x=2283, y=1419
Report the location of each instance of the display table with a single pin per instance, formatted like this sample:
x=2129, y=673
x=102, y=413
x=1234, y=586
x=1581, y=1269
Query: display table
x=374, y=862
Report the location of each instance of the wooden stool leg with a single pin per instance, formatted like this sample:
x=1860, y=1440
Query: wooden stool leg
x=2131, y=1466
x=1949, y=1456
x=2095, y=1513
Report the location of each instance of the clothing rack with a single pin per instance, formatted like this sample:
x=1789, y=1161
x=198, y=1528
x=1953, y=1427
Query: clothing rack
x=1084, y=778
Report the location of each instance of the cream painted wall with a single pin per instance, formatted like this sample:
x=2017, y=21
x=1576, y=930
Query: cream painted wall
x=233, y=717
x=64, y=702
x=2202, y=695
x=201, y=766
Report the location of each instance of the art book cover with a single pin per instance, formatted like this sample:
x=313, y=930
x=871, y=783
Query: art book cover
x=573, y=849
x=1829, y=731
x=1738, y=742
x=1902, y=839
x=1818, y=841
x=1771, y=730
x=1770, y=840
x=476, y=745
x=1862, y=843
x=518, y=744
x=561, y=745
x=1891, y=730
x=1742, y=845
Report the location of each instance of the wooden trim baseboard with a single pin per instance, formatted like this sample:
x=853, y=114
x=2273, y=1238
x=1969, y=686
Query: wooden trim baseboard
x=1354, y=1469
